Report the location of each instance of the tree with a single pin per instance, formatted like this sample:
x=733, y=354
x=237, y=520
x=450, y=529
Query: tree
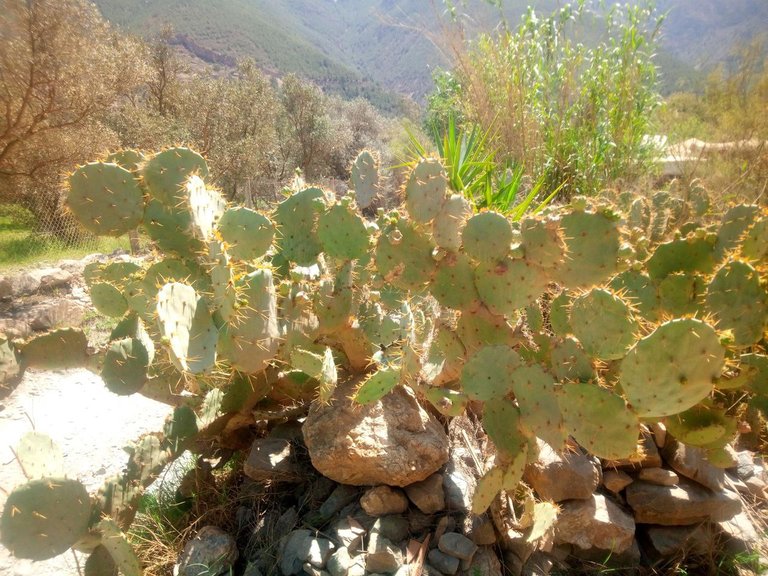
x=61, y=69
x=165, y=71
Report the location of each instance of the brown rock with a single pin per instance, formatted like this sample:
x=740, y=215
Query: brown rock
x=684, y=504
x=670, y=541
x=660, y=476
x=383, y=500
x=392, y=441
x=659, y=431
x=428, y=495
x=211, y=552
x=272, y=459
x=559, y=477
x=484, y=563
x=616, y=480
x=692, y=463
x=595, y=523
x=461, y=472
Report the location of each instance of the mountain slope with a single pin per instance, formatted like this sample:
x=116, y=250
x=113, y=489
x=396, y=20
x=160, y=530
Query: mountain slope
x=375, y=48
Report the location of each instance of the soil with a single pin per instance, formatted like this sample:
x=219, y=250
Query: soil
x=91, y=426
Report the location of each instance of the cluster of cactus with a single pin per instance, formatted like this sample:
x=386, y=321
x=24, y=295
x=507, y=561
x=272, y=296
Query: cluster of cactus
x=566, y=323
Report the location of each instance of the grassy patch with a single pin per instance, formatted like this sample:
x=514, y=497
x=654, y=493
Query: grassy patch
x=22, y=245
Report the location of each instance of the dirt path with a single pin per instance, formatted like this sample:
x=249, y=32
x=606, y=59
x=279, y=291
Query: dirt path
x=90, y=424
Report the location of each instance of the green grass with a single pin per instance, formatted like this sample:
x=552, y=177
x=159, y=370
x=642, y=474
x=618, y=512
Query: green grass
x=22, y=245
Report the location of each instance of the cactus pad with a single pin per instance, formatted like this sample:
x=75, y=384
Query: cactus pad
x=639, y=291
x=296, y=219
x=487, y=375
x=404, y=256
x=691, y=254
x=738, y=302
x=703, y=425
x=57, y=350
x=681, y=294
x=448, y=224
x=166, y=173
x=508, y=285
x=425, y=190
x=376, y=385
x=488, y=486
x=487, y=236
x=603, y=323
x=206, y=207
x=105, y=198
x=448, y=402
x=365, y=179
x=755, y=243
x=570, y=362
x=43, y=518
x=246, y=233
x=108, y=299
x=543, y=242
x=39, y=456
x=673, y=368
x=539, y=408
x=342, y=233
x=126, y=364
x=478, y=328
x=592, y=244
x=501, y=420
x=734, y=226
x=454, y=282
x=171, y=228
x=599, y=420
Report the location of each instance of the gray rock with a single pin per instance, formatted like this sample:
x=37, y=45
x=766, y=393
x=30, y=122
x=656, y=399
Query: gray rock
x=211, y=552
x=595, y=523
x=670, y=541
x=616, y=480
x=349, y=533
x=345, y=442
x=757, y=487
x=622, y=563
x=443, y=562
x=461, y=474
x=319, y=551
x=559, y=477
x=272, y=459
x=419, y=522
x=745, y=465
x=742, y=537
x=660, y=476
x=383, y=500
x=382, y=556
x=50, y=278
x=539, y=564
x=686, y=503
x=427, y=495
x=692, y=463
x=339, y=562
x=342, y=495
x=393, y=528
x=457, y=545
x=286, y=523
x=358, y=566
x=484, y=563
x=313, y=571
x=295, y=551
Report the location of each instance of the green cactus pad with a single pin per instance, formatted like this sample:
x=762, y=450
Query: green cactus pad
x=543, y=242
x=118, y=272
x=487, y=375
x=171, y=228
x=164, y=272
x=488, y=487
x=365, y=179
x=251, y=339
x=639, y=214
x=703, y=425
x=425, y=190
x=448, y=225
x=599, y=420
x=501, y=420
x=754, y=245
x=222, y=283
x=44, y=518
x=404, y=256
x=296, y=220
x=119, y=548
x=39, y=456
x=56, y=350
x=691, y=254
x=508, y=285
x=180, y=426
x=333, y=299
x=734, y=226
x=184, y=319
x=108, y=299
x=376, y=385
x=100, y=563
x=570, y=362
x=206, y=207
x=638, y=290
x=673, y=368
x=738, y=302
x=128, y=159
x=105, y=198
x=448, y=402
x=478, y=328
x=592, y=248
x=756, y=366
x=487, y=237
x=9, y=362
x=681, y=294
x=166, y=173
x=454, y=283
x=342, y=233
x=603, y=323
x=246, y=233
x=559, y=314
x=125, y=365
x=443, y=360
x=539, y=408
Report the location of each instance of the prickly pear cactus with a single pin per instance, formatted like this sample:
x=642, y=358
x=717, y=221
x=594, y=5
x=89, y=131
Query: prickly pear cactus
x=577, y=321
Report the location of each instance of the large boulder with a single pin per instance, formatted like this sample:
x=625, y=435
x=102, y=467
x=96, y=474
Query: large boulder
x=681, y=505
x=559, y=477
x=595, y=523
x=392, y=441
